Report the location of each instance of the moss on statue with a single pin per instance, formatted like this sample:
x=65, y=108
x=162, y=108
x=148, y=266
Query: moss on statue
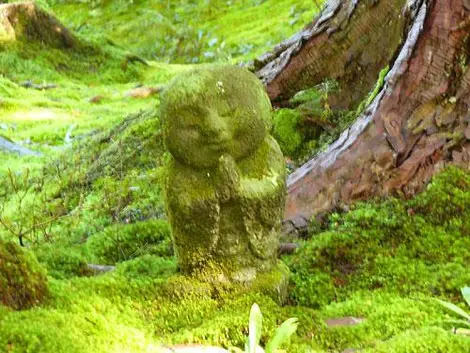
x=207, y=284
x=22, y=281
x=225, y=186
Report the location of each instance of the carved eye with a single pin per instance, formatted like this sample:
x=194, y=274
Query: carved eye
x=228, y=113
x=193, y=131
x=193, y=127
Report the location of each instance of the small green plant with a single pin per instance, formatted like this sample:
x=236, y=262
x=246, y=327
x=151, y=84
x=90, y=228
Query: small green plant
x=465, y=316
x=282, y=334
x=26, y=210
x=377, y=88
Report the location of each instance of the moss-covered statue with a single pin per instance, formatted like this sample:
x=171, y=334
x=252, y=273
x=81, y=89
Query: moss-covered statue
x=225, y=186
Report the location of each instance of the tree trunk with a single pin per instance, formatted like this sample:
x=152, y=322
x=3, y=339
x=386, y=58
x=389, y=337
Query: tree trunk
x=416, y=125
x=27, y=21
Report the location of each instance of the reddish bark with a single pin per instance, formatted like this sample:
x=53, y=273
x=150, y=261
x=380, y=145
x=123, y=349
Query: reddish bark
x=416, y=125
x=351, y=41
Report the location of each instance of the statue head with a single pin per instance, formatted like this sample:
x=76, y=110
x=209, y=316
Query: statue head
x=212, y=111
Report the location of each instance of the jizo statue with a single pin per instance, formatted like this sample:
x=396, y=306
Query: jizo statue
x=225, y=183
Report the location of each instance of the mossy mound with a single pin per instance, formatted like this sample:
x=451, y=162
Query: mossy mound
x=426, y=340
x=193, y=311
x=124, y=242
x=135, y=143
x=62, y=262
x=405, y=247
x=116, y=174
x=389, y=323
x=23, y=282
x=189, y=31
x=285, y=131
x=36, y=47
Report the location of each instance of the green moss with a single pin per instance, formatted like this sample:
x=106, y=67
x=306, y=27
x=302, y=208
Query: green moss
x=84, y=328
x=286, y=130
x=377, y=88
x=147, y=266
x=398, y=245
x=310, y=124
x=35, y=60
x=22, y=281
x=301, y=128
x=62, y=262
x=427, y=340
x=446, y=199
x=229, y=327
x=195, y=311
x=135, y=143
x=273, y=284
x=314, y=94
x=187, y=310
x=384, y=320
x=189, y=32
x=110, y=177
x=123, y=242
x=381, y=262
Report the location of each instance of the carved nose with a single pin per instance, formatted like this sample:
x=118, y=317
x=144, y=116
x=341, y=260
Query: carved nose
x=216, y=129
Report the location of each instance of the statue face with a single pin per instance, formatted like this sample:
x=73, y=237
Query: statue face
x=212, y=112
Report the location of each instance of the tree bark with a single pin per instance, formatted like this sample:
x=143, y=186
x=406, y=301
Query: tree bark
x=351, y=41
x=416, y=125
x=26, y=20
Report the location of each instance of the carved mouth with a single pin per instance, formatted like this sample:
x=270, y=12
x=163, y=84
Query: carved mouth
x=217, y=146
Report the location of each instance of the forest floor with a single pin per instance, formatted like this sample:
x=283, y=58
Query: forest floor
x=364, y=279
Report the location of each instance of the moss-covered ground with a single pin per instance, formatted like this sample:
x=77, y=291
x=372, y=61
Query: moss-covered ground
x=95, y=197
x=189, y=31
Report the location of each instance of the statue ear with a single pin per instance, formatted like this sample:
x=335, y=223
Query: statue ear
x=268, y=122
x=267, y=114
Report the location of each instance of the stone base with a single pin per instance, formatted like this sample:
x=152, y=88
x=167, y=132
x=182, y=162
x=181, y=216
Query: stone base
x=274, y=283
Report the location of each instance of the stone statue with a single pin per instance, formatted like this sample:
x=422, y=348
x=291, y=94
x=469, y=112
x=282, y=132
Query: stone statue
x=225, y=183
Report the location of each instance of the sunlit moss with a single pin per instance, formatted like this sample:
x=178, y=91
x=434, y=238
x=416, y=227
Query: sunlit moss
x=23, y=282
x=401, y=246
x=190, y=32
x=380, y=262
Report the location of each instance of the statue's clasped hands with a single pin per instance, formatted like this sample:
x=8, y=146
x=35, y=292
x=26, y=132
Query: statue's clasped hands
x=228, y=179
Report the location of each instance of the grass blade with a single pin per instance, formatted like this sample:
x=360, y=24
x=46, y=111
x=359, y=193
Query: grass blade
x=235, y=350
x=466, y=294
x=457, y=322
x=256, y=322
x=462, y=331
x=282, y=334
x=454, y=308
